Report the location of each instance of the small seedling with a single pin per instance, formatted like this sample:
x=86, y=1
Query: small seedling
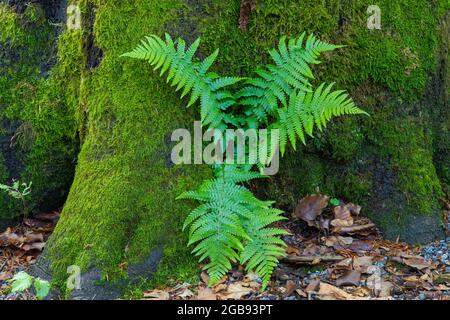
x=23, y=281
x=18, y=191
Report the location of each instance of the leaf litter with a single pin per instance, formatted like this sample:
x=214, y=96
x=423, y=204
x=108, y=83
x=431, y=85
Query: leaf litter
x=335, y=253
x=20, y=246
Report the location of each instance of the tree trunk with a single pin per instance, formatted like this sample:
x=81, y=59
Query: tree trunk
x=121, y=209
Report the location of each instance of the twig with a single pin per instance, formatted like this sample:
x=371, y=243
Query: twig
x=353, y=228
x=3, y=264
x=311, y=259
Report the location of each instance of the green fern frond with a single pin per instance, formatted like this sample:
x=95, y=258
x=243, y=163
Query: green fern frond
x=291, y=72
x=307, y=110
x=218, y=227
x=262, y=252
x=192, y=76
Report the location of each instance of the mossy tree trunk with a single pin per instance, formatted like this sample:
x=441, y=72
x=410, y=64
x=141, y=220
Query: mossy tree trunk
x=121, y=206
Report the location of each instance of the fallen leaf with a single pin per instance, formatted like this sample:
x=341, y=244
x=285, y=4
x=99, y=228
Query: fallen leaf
x=206, y=294
x=291, y=286
x=34, y=246
x=220, y=287
x=342, y=217
x=350, y=278
x=185, y=294
x=442, y=287
x=338, y=242
x=52, y=216
x=360, y=246
x=345, y=263
x=204, y=276
x=292, y=250
x=386, y=289
x=156, y=295
x=417, y=262
x=313, y=286
x=329, y=292
x=5, y=275
x=280, y=274
x=38, y=225
x=362, y=263
x=310, y=207
x=353, y=208
x=34, y=237
x=236, y=291
x=301, y=293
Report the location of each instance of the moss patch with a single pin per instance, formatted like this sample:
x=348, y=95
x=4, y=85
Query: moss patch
x=122, y=203
x=44, y=138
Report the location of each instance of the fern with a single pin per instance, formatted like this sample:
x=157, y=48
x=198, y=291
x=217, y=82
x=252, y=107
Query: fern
x=192, y=76
x=291, y=72
x=229, y=218
x=306, y=110
x=231, y=225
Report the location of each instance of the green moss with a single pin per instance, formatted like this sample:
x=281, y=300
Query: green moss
x=407, y=144
x=5, y=202
x=44, y=105
x=10, y=25
x=393, y=56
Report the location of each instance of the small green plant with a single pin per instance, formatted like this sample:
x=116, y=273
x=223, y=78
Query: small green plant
x=231, y=224
x=23, y=281
x=334, y=202
x=18, y=191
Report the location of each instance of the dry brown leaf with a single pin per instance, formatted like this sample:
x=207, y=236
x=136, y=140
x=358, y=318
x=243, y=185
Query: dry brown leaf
x=156, y=295
x=361, y=246
x=185, y=294
x=350, y=278
x=442, y=287
x=386, y=289
x=5, y=275
x=301, y=293
x=292, y=250
x=338, y=242
x=417, y=262
x=329, y=292
x=220, y=287
x=362, y=263
x=236, y=291
x=313, y=286
x=345, y=263
x=34, y=246
x=206, y=294
x=291, y=286
x=204, y=276
x=31, y=237
x=353, y=208
x=310, y=207
x=342, y=217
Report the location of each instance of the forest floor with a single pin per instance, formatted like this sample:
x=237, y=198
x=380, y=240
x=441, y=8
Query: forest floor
x=333, y=253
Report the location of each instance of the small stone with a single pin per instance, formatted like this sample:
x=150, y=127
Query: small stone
x=422, y=296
